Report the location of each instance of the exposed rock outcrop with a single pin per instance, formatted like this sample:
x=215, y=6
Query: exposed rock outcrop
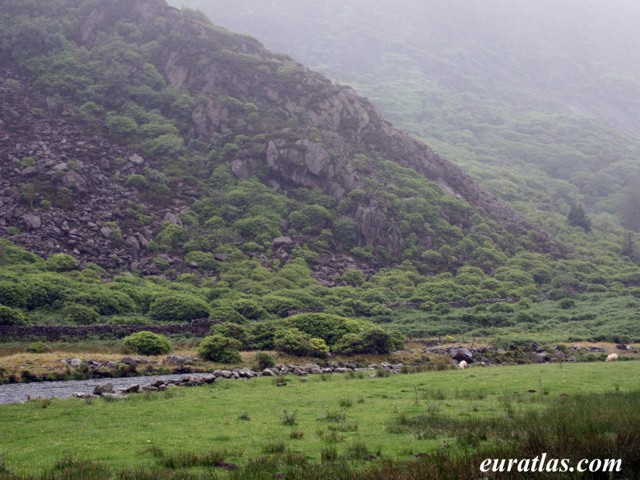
x=315, y=127
x=310, y=132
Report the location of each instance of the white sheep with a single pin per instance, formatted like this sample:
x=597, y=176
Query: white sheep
x=613, y=357
x=463, y=364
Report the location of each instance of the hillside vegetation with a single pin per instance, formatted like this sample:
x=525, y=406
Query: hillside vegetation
x=537, y=100
x=158, y=168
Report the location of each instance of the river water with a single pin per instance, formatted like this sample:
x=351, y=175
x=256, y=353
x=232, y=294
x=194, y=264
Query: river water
x=21, y=392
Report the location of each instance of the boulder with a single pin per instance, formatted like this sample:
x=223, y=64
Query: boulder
x=175, y=360
x=106, y=232
x=312, y=368
x=32, y=221
x=209, y=379
x=280, y=242
x=82, y=395
x=131, y=389
x=75, y=362
x=136, y=159
x=172, y=218
x=103, y=388
x=461, y=353
x=536, y=357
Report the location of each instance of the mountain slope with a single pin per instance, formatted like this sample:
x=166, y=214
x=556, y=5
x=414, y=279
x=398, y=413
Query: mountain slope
x=195, y=101
x=546, y=90
x=206, y=176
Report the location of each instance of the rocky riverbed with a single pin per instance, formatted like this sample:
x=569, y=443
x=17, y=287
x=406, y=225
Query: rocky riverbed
x=120, y=387
x=22, y=392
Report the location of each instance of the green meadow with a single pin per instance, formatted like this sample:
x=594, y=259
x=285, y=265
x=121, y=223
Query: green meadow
x=344, y=423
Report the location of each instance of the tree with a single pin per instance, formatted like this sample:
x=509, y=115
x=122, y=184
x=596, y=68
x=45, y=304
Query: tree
x=578, y=218
x=630, y=209
x=627, y=245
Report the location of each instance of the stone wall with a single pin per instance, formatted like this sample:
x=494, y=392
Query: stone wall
x=199, y=328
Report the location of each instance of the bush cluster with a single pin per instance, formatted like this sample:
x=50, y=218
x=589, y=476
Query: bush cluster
x=178, y=308
x=148, y=343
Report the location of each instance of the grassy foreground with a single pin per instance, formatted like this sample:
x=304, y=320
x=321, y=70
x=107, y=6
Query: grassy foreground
x=351, y=421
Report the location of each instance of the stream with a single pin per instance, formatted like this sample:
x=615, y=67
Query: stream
x=21, y=392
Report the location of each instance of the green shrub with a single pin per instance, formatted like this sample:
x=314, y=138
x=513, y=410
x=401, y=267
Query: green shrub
x=225, y=313
x=178, y=307
x=252, y=228
x=265, y=360
x=80, y=314
x=301, y=344
x=217, y=348
x=148, y=343
x=11, y=254
x=442, y=308
x=373, y=340
x=11, y=316
x=501, y=307
x=595, y=288
x=61, y=262
x=319, y=348
x=172, y=236
x=120, y=126
x=262, y=334
x=161, y=263
x=46, y=289
x=349, y=344
x=281, y=305
x=311, y=218
x=137, y=181
x=105, y=300
x=231, y=330
x=37, y=347
x=345, y=231
x=323, y=325
x=13, y=294
x=249, y=309
x=202, y=260
x=352, y=277
x=167, y=145
x=567, y=303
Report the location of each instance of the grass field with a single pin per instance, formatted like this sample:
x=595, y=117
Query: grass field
x=316, y=419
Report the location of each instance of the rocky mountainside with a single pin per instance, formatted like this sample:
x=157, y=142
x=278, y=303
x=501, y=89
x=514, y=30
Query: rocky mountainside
x=538, y=100
x=44, y=153
x=122, y=116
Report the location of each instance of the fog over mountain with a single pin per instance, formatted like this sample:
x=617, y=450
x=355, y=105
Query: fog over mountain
x=555, y=45
x=545, y=92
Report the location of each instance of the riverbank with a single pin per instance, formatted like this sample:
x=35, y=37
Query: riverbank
x=319, y=421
